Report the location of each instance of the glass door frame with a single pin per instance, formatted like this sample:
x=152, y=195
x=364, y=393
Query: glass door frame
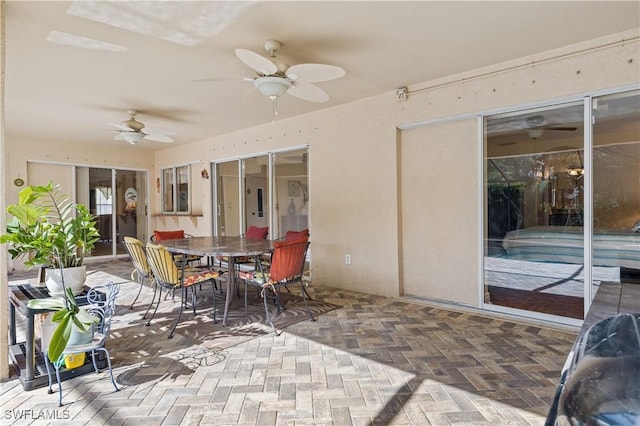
x=142, y=197
x=588, y=292
x=271, y=193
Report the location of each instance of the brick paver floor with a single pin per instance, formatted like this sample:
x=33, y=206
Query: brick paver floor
x=373, y=361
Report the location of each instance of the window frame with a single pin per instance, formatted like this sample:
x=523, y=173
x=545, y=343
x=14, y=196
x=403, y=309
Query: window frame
x=176, y=183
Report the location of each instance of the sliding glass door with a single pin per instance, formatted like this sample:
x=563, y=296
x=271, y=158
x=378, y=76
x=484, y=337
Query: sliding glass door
x=256, y=191
x=554, y=217
x=616, y=187
x=118, y=200
x=226, y=199
x=291, y=191
x=534, y=210
x=266, y=190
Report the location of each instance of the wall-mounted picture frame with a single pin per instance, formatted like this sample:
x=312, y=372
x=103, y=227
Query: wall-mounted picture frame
x=294, y=188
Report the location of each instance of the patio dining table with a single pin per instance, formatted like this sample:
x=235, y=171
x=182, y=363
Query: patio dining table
x=213, y=246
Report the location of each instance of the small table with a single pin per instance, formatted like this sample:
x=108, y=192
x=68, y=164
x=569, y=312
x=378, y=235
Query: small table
x=230, y=247
x=27, y=359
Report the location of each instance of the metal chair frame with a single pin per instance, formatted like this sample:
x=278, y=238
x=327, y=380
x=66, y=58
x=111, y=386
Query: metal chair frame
x=286, y=268
x=141, y=269
x=102, y=303
x=168, y=274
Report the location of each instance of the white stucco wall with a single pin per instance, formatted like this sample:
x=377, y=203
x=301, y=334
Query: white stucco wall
x=60, y=152
x=354, y=165
x=354, y=161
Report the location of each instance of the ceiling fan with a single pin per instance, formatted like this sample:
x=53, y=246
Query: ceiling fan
x=275, y=77
x=133, y=131
x=536, y=127
x=297, y=158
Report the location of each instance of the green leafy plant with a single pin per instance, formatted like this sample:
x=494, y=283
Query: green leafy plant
x=49, y=229
x=67, y=314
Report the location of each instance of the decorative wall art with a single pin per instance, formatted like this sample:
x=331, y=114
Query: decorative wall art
x=294, y=188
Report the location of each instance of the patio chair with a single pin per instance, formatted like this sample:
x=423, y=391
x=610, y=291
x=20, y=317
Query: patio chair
x=289, y=236
x=286, y=267
x=295, y=235
x=102, y=303
x=256, y=233
x=141, y=269
x=158, y=236
x=167, y=274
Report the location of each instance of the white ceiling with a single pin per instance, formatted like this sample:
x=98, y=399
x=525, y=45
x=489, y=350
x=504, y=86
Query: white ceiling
x=65, y=92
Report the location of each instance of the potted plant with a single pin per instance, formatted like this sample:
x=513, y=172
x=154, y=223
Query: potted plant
x=50, y=230
x=71, y=319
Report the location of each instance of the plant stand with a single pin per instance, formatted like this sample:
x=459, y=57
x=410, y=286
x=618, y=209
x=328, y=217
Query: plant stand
x=26, y=357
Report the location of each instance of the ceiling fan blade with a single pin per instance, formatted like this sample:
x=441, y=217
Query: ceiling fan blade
x=308, y=92
x=258, y=62
x=312, y=73
x=159, y=138
x=567, y=129
x=149, y=131
x=121, y=127
x=234, y=78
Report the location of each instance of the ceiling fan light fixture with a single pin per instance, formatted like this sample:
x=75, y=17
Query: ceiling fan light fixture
x=535, y=133
x=576, y=172
x=132, y=137
x=272, y=87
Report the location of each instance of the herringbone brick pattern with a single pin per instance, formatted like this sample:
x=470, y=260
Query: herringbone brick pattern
x=374, y=361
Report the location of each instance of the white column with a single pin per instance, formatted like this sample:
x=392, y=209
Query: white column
x=4, y=297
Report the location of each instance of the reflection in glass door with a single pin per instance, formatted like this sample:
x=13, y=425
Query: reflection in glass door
x=118, y=199
x=256, y=195
x=291, y=191
x=130, y=207
x=276, y=196
x=616, y=187
x=534, y=210
x=227, y=201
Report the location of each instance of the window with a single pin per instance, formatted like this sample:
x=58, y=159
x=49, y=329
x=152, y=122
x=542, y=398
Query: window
x=103, y=199
x=175, y=189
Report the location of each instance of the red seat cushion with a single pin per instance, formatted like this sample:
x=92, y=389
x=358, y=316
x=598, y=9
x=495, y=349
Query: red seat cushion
x=167, y=235
x=296, y=235
x=256, y=233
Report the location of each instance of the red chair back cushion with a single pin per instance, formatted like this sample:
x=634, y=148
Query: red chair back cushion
x=167, y=235
x=256, y=233
x=295, y=235
x=288, y=259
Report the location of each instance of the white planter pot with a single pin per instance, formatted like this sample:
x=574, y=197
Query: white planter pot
x=79, y=338
x=73, y=278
